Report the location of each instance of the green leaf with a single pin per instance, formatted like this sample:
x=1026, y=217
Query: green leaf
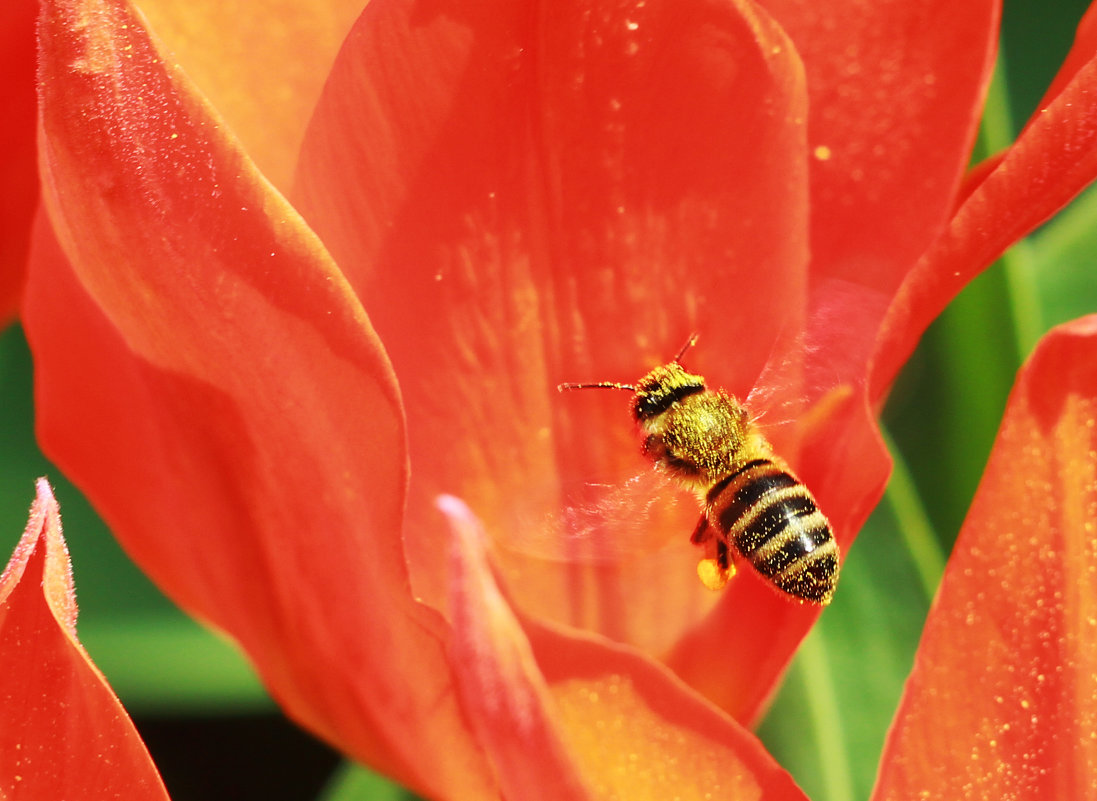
x=352, y=782
x=1066, y=249
x=917, y=532
x=169, y=664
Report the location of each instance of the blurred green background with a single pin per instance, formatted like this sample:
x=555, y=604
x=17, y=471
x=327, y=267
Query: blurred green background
x=215, y=734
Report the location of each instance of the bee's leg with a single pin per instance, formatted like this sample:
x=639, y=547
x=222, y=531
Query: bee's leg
x=723, y=554
x=702, y=533
x=715, y=569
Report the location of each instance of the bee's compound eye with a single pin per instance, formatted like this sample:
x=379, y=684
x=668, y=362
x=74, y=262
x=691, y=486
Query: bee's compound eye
x=662, y=388
x=651, y=404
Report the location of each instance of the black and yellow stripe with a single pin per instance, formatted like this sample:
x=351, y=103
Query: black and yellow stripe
x=770, y=518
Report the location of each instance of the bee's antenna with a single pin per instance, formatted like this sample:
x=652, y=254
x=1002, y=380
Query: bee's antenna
x=689, y=344
x=600, y=385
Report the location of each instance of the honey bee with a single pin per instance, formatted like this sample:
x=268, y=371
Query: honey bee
x=754, y=508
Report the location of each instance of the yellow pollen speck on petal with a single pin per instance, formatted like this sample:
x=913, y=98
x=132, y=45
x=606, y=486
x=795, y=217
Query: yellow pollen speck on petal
x=712, y=575
x=638, y=754
x=822, y=152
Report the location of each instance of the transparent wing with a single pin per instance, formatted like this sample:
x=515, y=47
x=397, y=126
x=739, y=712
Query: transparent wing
x=605, y=523
x=778, y=397
x=809, y=369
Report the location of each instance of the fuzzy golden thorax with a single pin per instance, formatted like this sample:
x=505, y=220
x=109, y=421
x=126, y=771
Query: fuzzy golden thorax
x=697, y=434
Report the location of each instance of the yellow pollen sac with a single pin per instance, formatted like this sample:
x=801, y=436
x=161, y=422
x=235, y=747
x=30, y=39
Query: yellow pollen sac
x=712, y=575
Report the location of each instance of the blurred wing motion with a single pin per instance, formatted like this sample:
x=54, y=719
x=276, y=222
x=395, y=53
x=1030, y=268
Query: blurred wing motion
x=607, y=523
x=803, y=375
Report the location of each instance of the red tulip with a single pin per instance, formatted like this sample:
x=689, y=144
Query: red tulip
x=63, y=733
x=506, y=200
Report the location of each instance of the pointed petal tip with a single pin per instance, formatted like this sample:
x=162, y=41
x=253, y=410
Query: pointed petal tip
x=476, y=603
x=63, y=732
x=466, y=557
x=44, y=530
x=456, y=511
x=43, y=488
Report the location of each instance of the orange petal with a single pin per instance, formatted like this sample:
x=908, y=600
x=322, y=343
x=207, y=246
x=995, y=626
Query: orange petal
x=1001, y=702
x=640, y=733
x=896, y=94
x=1054, y=158
x=17, y=173
x=570, y=715
x=207, y=376
x=63, y=733
x=261, y=63
x=527, y=198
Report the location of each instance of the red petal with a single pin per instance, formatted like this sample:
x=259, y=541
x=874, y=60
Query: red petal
x=1054, y=158
x=261, y=63
x=529, y=195
x=570, y=710
x=1001, y=702
x=17, y=172
x=63, y=733
x=209, y=379
x=896, y=92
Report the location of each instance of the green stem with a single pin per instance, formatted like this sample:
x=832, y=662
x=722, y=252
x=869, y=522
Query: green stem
x=914, y=526
x=996, y=128
x=826, y=717
x=1018, y=264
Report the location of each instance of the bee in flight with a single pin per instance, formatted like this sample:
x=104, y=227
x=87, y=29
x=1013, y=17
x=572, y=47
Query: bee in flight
x=754, y=507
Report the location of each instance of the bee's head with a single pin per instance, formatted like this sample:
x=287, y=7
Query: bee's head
x=656, y=392
x=662, y=388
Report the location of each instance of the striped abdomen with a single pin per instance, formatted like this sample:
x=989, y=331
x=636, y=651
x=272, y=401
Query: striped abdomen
x=770, y=519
